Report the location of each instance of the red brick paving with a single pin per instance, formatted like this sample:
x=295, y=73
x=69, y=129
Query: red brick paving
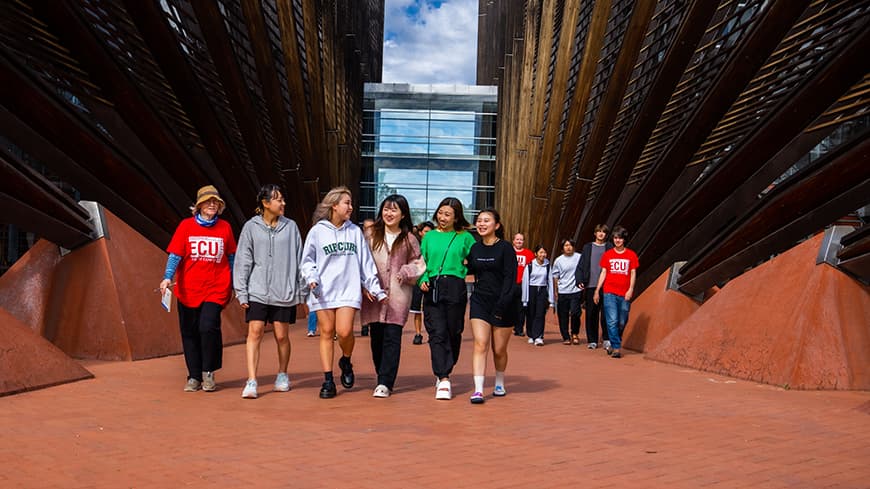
x=572, y=418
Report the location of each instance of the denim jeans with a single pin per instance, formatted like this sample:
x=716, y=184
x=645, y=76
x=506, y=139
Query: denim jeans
x=312, y=322
x=616, y=313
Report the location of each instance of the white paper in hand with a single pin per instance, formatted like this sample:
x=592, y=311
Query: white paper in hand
x=166, y=300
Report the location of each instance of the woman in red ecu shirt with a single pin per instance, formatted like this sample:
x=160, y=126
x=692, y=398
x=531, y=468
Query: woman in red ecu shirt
x=201, y=254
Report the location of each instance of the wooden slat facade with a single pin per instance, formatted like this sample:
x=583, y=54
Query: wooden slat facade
x=136, y=104
x=676, y=119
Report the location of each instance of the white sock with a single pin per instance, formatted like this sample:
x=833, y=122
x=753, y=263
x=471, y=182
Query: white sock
x=499, y=378
x=478, y=383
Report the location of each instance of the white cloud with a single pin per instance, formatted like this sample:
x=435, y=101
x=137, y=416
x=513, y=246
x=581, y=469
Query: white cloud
x=429, y=41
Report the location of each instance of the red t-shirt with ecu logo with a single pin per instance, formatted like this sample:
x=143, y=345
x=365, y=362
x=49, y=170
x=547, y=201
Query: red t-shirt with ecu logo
x=619, y=267
x=524, y=257
x=204, y=274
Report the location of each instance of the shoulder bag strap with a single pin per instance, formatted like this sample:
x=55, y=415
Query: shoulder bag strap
x=445, y=255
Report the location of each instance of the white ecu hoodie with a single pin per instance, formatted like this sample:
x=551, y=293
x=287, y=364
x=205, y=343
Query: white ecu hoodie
x=339, y=260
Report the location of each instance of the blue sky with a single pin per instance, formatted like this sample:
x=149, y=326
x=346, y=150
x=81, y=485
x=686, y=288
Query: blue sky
x=430, y=41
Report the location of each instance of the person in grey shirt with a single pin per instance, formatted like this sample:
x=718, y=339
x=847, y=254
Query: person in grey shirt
x=268, y=282
x=586, y=276
x=567, y=292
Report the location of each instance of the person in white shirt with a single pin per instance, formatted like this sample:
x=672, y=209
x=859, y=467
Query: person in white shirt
x=537, y=294
x=337, y=265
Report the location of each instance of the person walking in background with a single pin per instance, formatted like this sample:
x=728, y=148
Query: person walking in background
x=567, y=293
x=337, y=264
x=397, y=257
x=494, y=308
x=616, y=281
x=444, y=292
x=201, y=253
x=587, y=280
x=524, y=257
x=417, y=296
x=268, y=282
x=312, y=324
x=366, y=227
x=537, y=294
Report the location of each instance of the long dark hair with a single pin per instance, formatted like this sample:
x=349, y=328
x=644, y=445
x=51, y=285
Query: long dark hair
x=499, y=231
x=267, y=193
x=459, y=222
x=405, y=224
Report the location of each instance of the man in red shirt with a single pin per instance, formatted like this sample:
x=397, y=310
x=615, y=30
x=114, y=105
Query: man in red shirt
x=524, y=257
x=618, y=273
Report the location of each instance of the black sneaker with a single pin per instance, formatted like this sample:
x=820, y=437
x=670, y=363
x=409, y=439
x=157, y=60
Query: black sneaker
x=346, y=367
x=365, y=330
x=418, y=339
x=327, y=390
x=616, y=354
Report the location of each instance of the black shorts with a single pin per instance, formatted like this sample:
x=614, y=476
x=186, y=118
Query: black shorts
x=269, y=314
x=483, y=308
x=417, y=300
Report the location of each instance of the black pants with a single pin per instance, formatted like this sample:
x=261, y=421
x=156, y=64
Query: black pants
x=201, y=338
x=594, y=318
x=445, y=322
x=386, y=340
x=568, y=307
x=536, y=310
x=521, y=316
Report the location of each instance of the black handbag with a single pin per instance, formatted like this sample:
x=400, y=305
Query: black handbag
x=434, y=283
x=434, y=287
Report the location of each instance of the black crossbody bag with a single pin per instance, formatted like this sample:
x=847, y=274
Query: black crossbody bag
x=436, y=293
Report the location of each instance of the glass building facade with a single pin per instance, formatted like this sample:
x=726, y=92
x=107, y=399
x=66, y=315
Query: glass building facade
x=428, y=142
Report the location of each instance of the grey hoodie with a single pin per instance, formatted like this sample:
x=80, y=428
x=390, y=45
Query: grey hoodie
x=267, y=269
x=339, y=261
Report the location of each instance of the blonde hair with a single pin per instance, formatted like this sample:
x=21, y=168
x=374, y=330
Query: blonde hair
x=324, y=208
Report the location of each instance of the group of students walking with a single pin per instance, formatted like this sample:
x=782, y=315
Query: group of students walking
x=599, y=279
x=385, y=272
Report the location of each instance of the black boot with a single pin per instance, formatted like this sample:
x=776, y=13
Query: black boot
x=346, y=367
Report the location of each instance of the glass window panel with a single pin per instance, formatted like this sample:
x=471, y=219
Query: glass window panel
x=427, y=146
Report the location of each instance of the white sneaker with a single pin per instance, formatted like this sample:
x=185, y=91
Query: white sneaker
x=539, y=341
x=282, y=382
x=531, y=341
x=250, y=391
x=592, y=346
x=381, y=391
x=192, y=385
x=606, y=344
x=208, y=384
x=443, y=392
